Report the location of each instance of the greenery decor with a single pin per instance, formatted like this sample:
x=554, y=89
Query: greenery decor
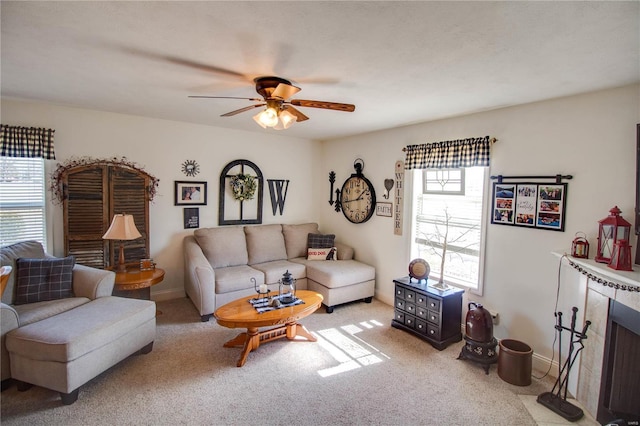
x=243, y=187
x=62, y=168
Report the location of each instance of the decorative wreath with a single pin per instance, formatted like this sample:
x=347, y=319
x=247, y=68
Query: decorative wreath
x=243, y=187
x=58, y=175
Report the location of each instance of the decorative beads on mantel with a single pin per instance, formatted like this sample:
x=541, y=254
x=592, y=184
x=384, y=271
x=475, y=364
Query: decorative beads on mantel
x=617, y=286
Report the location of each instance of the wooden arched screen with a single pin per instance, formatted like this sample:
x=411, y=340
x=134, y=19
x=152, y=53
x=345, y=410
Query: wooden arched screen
x=92, y=194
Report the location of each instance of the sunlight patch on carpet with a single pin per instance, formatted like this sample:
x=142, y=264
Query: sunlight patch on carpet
x=350, y=351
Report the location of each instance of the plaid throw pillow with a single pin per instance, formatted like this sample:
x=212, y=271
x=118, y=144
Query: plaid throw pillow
x=38, y=280
x=320, y=240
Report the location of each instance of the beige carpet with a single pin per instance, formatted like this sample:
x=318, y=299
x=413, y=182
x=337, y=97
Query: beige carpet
x=361, y=371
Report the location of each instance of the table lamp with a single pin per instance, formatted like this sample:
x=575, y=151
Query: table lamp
x=122, y=228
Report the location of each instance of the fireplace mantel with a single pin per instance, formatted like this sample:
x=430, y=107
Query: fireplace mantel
x=603, y=271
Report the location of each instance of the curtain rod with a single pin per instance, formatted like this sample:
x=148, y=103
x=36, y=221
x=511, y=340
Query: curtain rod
x=557, y=177
x=492, y=140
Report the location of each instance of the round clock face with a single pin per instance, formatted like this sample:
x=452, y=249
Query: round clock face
x=358, y=199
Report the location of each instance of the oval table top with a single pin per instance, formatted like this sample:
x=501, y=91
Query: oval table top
x=241, y=313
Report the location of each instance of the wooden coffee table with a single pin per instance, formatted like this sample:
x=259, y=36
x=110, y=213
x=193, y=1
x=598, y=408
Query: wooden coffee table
x=242, y=314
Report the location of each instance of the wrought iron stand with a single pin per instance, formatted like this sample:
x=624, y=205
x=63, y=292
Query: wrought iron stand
x=557, y=401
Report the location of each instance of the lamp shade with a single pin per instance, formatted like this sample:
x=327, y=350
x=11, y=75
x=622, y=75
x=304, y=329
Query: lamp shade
x=123, y=227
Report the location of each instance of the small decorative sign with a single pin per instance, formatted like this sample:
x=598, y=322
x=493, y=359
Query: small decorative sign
x=397, y=214
x=384, y=209
x=191, y=218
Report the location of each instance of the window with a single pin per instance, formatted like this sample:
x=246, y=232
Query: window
x=449, y=215
x=22, y=200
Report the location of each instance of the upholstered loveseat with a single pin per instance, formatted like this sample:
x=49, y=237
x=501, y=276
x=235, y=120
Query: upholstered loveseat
x=71, y=335
x=221, y=262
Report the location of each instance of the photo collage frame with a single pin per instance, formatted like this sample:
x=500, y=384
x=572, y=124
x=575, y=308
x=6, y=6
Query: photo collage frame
x=533, y=205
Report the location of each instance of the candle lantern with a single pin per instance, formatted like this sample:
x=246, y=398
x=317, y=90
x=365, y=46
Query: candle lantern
x=262, y=289
x=287, y=288
x=580, y=246
x=621, y=257
x=611, y=229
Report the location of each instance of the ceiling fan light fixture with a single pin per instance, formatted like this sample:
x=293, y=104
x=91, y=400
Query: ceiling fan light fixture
x=267, y=118
x=286, y=120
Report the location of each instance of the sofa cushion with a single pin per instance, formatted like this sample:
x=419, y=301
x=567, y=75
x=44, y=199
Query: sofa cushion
x=236, y=278
x=8, y=256
x=273, y=271
x=339, y=273
x=33, y=312
x=265, y=243
x=295, y=238
x=74, y=333
x=225, y=246
x=320, y=240
x=39, y=280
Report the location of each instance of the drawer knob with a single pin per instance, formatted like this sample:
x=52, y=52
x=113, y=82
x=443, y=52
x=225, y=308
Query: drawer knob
x=431, y=332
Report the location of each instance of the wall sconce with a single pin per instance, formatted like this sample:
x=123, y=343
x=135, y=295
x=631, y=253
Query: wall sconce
x=123, y=228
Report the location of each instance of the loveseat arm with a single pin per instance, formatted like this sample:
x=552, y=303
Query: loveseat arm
x=199, y=278
x=8, y=321
x=92, y=282
x=345, y=252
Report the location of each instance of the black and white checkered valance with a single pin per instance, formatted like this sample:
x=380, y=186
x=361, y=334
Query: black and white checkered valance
x=449, y=154
x=32, y=142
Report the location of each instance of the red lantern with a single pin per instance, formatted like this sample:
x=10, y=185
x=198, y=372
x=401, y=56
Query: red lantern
x=613, y=228
x=621, y=258
x=580, y=246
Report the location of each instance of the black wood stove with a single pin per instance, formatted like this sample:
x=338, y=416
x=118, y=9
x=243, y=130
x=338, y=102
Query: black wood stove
x=480, y=345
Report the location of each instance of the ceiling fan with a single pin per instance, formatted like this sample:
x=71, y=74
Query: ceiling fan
x=279, y=112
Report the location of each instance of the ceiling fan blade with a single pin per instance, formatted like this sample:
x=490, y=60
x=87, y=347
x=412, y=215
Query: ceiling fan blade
x=299, y=116
x=238, y=111
x=226, y=97
x=322, y=104
x=285, y=91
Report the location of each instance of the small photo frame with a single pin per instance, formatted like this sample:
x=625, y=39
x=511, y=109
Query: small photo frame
x=190, y=193
x=147, y=265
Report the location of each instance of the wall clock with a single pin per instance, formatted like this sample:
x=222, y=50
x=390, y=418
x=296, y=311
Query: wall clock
x=358, y=197
x=190, y=168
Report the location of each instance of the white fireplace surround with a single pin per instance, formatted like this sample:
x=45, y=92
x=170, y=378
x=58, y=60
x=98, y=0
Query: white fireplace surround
x=593, y=300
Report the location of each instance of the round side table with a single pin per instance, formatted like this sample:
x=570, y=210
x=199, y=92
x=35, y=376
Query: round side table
x=135, y=283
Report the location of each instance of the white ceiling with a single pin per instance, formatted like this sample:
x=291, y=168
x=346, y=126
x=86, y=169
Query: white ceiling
x=398, y=62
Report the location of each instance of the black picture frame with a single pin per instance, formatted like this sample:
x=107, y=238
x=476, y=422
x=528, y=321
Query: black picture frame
x=183, y=192
x=529, y=204
x=191, y=217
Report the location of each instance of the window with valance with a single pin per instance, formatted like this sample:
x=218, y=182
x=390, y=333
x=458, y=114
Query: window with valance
x=22, y=183
x=449, y=180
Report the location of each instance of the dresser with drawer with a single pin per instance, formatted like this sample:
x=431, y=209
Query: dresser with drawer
x=433, y=315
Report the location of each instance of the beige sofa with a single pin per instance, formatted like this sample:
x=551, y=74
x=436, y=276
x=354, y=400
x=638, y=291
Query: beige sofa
x=221, y=262
x=63, y=343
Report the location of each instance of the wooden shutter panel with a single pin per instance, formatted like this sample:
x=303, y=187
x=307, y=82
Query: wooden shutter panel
x=85, y=210
x=128, y=193
x=93, y=194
